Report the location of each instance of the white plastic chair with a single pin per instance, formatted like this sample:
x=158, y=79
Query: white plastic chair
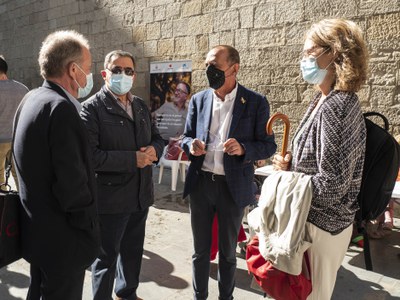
x=176, y=167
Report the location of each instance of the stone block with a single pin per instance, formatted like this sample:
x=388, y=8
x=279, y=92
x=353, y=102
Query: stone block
x=153, y=31
x=373, y=7
x=142, y=64
x=192, y=26
x=280, y=93
x=139, y=33
x=136, y=49
x=158, y=2
x=383, y=73
x=98, y=26
x=148, y=15
x=165, y=47
x=139, y=4
x=55, y=12
x=150, y=48
x=39, y=6
x=227, y=38
x=227, y=20
x=184, y=45
x=240, y=3
x=113, y=23
x=201, y=43
x=191, y=8
x=260, y=38
x=159, y=13
x=382, y=96
x=317, y=10
x=295, y=35
x=264, y=16
x=384, y=31
x=101, y=14
x=3, y=8
x=246, y=16
x=241, y=38
x=364, y=95
x=139, y=80
x=288, y=11
x=166, y=29
x=208, y=6
x=85, y=18
x=173, y=10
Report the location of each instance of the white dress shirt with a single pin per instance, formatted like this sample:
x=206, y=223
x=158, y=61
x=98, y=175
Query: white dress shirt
x=218, y=133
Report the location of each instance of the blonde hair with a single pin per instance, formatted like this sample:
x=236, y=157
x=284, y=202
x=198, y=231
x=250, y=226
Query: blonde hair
x=345, y=40
x=59, y=49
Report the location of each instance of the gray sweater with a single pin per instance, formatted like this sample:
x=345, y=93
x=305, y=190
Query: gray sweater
x=11, y=94
x=331, y=148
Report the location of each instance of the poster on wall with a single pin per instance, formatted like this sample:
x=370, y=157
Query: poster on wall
x=170, y=88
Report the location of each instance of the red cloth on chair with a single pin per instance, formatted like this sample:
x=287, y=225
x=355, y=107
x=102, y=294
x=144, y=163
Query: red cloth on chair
x=214, y=242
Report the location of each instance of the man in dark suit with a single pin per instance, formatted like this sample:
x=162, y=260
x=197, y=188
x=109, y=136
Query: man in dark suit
x=224, y=135
x=125, y=144
x=60, y=234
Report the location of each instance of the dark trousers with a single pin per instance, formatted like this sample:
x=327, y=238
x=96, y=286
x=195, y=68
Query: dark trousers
x=55, y=284
x=122, y=238
x=208, y=198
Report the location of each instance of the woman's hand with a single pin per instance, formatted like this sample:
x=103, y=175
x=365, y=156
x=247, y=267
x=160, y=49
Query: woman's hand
x=282, y=163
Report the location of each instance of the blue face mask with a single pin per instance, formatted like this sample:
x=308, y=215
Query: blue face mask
x=310, y=70
x=120, y=84
x=84, y=91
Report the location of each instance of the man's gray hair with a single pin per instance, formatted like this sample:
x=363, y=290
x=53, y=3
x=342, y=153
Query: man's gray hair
x=58, y=50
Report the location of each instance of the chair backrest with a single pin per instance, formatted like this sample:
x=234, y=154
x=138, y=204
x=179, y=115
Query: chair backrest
x=168, y=162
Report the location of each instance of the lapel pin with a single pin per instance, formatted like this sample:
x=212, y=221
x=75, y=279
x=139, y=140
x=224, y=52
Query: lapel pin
x=243, y=100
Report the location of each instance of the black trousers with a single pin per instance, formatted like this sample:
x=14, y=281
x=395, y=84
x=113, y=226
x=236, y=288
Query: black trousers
x=55, y=284
x=122, y=238
x=209, y=197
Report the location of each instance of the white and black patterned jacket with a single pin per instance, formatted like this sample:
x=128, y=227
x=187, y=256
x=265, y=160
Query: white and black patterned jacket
x=332, y=149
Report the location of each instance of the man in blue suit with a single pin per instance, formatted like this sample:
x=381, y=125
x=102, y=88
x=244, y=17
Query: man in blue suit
x=224, y=135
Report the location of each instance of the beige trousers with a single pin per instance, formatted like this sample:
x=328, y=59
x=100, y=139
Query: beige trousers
x=326, y=256
x=5, y=155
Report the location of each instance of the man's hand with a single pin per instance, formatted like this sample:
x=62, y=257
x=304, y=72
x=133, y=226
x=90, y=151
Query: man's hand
x=198, y=147
x=232, y=147
x=145, y=156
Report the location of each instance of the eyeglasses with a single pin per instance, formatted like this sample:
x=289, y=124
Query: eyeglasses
x=311, y=51
x=213, y=146
x=180, y=91
x=119, y=70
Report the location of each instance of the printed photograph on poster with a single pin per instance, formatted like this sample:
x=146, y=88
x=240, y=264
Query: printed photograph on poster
x=170, y=90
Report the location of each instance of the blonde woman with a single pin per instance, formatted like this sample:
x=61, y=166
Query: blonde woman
x=330, y=143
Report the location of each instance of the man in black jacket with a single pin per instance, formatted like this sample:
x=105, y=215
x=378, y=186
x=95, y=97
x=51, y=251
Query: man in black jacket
x=125, y=144
x=60, y=234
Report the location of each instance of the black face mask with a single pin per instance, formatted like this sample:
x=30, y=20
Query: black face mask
x=216, y=77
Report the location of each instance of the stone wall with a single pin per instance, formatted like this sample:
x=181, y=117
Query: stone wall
x=268, y=34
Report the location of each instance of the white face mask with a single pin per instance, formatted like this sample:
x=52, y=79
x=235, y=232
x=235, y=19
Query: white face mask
x=120, y=84
x=84, y=91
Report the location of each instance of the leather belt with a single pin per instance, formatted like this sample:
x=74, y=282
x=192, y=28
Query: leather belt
x=213, y=176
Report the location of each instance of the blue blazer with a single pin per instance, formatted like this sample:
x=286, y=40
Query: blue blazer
x=249, y=118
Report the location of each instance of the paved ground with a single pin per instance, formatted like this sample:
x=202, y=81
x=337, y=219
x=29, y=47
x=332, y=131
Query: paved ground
x=166, y=271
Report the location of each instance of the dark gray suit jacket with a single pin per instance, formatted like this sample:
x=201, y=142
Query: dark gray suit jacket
x=56, y=182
